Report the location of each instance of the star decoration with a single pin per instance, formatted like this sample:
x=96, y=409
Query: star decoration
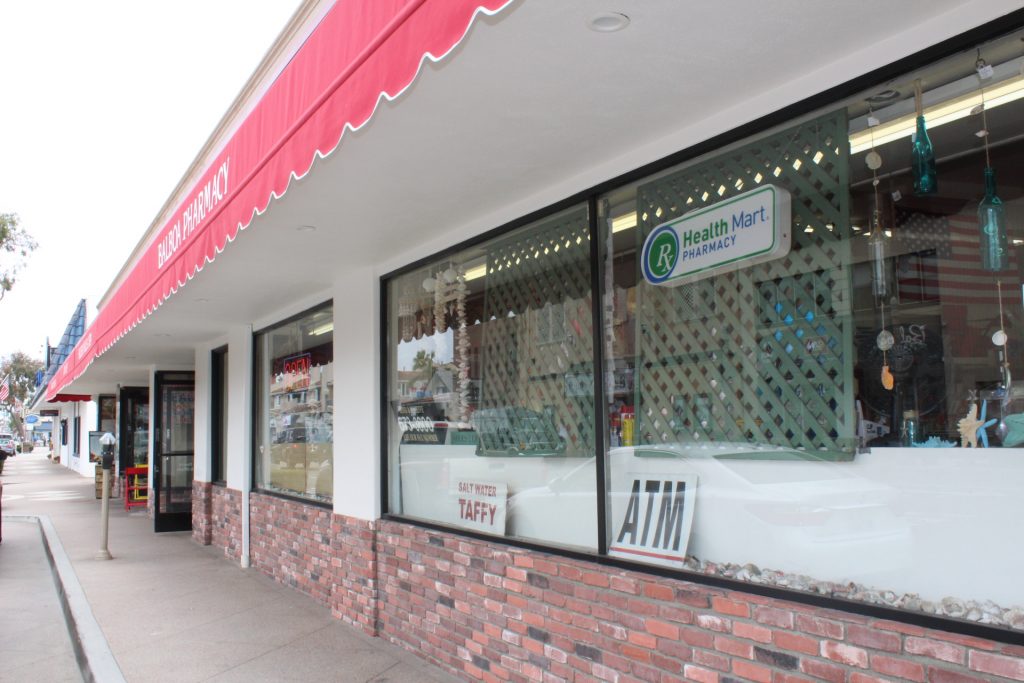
x=982, y=433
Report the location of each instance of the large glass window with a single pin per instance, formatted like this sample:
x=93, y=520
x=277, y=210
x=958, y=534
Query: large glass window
x=809, y=348
x=294, y=390
x=491, y=386
x=808, y=328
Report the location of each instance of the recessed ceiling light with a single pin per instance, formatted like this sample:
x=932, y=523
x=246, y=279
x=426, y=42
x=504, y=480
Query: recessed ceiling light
x=162, y=334
x=305, y=228
x=884, y=97
x=202, y=300
x=608, y=22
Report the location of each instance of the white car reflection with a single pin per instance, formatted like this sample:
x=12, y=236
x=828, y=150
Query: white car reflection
x=774, y=507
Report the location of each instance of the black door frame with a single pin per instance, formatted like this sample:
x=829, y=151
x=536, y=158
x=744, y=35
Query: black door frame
x=127, y=398
x=167, y=521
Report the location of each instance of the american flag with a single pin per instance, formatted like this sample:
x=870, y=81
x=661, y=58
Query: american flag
x=5, y=388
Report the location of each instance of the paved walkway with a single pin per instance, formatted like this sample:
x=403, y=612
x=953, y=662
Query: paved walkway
x=169, y=609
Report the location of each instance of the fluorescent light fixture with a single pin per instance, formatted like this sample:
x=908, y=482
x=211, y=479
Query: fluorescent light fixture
x=937, y=115
x=323, y=329
x=476, y=272
x=626, y=221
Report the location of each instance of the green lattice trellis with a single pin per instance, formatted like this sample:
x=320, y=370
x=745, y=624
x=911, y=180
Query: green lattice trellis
x=763, y=354
x=538, y=331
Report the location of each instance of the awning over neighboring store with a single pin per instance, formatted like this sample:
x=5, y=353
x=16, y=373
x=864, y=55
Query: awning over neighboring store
x=359, y=53
x=69, y=398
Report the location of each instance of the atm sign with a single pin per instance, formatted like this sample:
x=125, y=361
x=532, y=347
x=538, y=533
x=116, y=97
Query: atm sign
x=652, y=521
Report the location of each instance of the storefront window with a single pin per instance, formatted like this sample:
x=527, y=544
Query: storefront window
x=106, y=418
x=295, y=406
x=491, y=389
x=809, y=348
x=806, y=332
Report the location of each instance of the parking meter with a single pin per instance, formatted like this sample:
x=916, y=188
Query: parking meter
x=108, y=441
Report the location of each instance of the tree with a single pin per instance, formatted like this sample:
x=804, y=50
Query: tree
x=423, y=361
x=22, y=368
x=15, y=246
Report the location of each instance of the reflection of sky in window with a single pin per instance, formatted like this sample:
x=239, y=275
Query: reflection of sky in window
x=440, y=344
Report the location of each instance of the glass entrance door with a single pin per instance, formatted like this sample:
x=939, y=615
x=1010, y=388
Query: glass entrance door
x=173, y=450
x=133, y=433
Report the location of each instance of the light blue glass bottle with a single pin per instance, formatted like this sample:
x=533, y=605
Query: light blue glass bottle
x=922, y=162
x=992, y=227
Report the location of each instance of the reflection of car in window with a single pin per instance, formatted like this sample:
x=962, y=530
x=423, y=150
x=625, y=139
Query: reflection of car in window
x=426, y=432
x=296, y=446
x=516, y=431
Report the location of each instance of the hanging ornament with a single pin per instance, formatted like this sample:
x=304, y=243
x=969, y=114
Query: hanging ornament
x=878, y=246
x=885, y=342
x=993, y=242
x=1001, y=339
x=995, y=248
x=922, y=156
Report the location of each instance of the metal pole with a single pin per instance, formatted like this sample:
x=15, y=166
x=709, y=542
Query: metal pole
x=103, y=553
x=107, y=463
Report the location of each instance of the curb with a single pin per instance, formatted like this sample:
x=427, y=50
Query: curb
x=95, y=660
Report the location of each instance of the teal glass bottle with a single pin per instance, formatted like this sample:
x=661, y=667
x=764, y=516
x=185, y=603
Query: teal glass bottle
x=922, y=162
x=992, y=225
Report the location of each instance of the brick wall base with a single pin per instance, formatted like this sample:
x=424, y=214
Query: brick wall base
x=226, y=521
x=485, y=611
x=202, y=506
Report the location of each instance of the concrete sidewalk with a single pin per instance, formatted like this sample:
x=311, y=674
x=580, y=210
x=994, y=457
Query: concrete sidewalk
x=169, y=609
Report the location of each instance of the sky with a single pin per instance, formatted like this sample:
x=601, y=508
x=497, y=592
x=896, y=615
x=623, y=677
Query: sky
x=105, y=105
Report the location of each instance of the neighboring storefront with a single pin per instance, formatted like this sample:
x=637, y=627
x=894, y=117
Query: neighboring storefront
x=742, y=407
x=71, y=416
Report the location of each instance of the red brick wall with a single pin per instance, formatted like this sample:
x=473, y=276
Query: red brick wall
x=490, y=612
x=326, y=556
x=226, y=520
x=202, y=530
x=485, y=611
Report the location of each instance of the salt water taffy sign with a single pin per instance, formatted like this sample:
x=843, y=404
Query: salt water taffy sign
x=750, y=228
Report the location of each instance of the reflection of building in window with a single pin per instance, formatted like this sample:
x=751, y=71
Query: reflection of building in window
x=539, y=331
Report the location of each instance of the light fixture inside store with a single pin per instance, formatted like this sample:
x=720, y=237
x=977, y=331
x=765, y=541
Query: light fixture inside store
x=305, y=228
x=626, y=221
x=323, y=329
x=476, y=272
x=939, y=114
x=608, y=22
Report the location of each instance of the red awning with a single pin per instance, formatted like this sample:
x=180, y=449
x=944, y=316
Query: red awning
x=359, y=53
x=69, y=398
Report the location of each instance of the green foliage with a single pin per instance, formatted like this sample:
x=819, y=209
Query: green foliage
x=424, y=362
x=15, y=246
x=22, y=369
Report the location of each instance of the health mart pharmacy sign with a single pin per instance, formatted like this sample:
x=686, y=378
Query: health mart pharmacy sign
x=750, y=228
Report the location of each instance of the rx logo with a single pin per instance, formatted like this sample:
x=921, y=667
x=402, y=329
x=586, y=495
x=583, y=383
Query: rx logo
x=662, y=253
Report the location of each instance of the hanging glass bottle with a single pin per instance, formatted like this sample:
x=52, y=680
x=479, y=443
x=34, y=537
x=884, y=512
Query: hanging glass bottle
x=992, y=224
x=879, y=259
x=922, y=156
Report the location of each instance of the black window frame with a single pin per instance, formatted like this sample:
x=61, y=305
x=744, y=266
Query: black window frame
x=218, y=425
x=966, y=41
x=100, y=400
x=255, y=408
